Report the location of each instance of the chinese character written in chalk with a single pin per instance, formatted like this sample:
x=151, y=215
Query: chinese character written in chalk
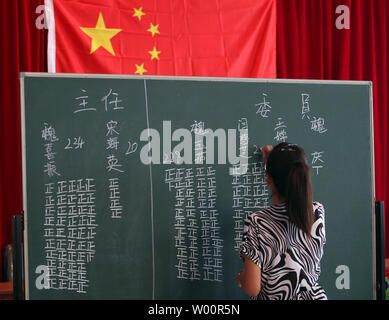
x=83, y=103
x=112, y=98
x=49, y=153
x=112, y=143
x=113, y=164
x=305, y=107
x=243, y=124
x=263, y=107
x=198, y=127
x=48, y=134
x=51, y=169
x=280, y=131
x=111, y=126
x=317, y=159
x=317, y=125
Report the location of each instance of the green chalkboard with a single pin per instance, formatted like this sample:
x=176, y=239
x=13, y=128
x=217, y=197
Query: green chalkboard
x=137, y=187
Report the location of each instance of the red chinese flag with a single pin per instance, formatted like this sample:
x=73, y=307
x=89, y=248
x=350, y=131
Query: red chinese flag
x=221, y=38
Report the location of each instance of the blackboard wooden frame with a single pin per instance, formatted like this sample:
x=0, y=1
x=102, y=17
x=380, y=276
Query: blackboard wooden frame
x=248, y=80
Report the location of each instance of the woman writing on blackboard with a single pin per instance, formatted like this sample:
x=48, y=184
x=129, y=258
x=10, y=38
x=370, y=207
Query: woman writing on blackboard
x=282, y=245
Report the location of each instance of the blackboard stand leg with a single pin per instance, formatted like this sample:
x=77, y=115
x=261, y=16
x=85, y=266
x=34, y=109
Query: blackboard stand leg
x=380, y=250
x=17, y=256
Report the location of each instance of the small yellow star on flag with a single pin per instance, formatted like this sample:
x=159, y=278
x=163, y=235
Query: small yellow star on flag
x=138, y=13
x=140, y=69
x=153, y=29
x=154, y=53
x=101, y=36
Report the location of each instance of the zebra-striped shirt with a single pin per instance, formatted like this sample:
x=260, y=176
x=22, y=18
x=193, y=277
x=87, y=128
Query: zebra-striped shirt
x=289, y=260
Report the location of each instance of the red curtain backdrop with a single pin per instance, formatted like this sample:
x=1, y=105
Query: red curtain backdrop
x=310, y=46
x=22, y=49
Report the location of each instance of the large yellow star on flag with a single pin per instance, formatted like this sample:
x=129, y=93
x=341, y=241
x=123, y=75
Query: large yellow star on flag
x=153, y=29
x=154, y=54
x=101, y=36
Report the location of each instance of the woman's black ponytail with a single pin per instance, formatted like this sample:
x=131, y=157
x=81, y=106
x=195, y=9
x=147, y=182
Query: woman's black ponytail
x=287, y=166
x=299, y=196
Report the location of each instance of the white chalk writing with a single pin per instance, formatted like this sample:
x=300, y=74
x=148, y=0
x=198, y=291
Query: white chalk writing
x=249, y=194
x=50, y=138
x=69, y=232
x=196, y=223
x=264, y=107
